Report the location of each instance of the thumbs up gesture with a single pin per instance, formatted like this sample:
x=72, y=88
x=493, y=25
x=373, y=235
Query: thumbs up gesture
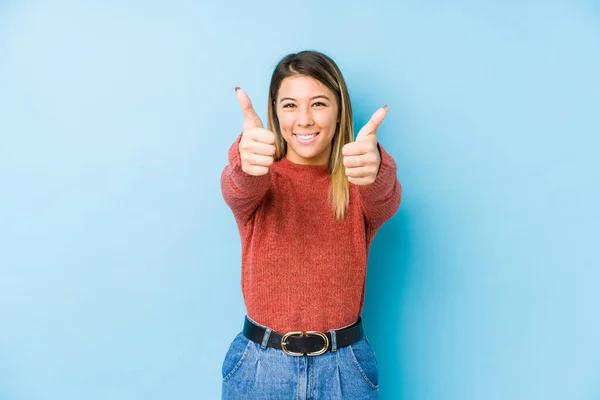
x=257, y=145
x=361, y=157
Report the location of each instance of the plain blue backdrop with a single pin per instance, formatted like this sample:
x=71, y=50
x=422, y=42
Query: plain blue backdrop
x=120, y=262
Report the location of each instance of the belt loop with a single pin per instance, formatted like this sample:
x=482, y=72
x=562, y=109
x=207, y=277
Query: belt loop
x=333, y=342
x=266, y=338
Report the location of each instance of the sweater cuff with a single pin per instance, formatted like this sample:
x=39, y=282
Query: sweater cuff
x=385, y=179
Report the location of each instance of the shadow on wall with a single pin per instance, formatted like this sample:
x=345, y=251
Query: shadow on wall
x=390, y=273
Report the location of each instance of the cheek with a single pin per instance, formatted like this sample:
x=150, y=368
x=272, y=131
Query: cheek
x=285, y=122
x=327, y=122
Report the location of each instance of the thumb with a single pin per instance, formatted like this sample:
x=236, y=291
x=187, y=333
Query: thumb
x=370, y=127
x=251, y=118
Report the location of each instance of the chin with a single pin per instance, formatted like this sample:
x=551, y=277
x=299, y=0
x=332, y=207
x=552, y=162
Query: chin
x=307, y=154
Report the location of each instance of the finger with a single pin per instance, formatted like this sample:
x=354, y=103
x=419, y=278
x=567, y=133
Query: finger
x=251, y=118
x=251, y=146
x=262, y=149
x=257, y=159
x=360, y=181
x=354, y=161
x=357, y=148
x=261, y=135
x=256, y=170
x=359, y=172
x=371, y=126
x=361, y=160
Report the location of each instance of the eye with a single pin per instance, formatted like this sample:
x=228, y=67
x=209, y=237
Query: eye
x=320, y=104
x=289, y=105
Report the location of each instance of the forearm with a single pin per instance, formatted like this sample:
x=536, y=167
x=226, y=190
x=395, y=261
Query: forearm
x=241, y=191
x=381, y=199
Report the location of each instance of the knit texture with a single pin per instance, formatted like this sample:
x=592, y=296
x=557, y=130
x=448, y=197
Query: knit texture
x=302, y=269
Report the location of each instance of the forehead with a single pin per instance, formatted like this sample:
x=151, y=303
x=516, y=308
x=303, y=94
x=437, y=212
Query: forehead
x=301, y=87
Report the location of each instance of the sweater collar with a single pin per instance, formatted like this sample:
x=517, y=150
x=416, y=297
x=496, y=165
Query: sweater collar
x=303, y=171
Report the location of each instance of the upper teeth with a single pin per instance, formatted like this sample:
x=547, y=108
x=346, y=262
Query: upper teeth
x=306, y=136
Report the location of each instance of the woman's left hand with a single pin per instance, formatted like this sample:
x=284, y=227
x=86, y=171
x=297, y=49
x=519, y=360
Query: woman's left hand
x=361, y=157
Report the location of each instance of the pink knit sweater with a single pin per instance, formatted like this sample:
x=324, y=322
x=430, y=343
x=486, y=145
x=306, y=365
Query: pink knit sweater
x=302, y=269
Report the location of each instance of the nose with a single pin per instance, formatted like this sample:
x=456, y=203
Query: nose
x=304, y=116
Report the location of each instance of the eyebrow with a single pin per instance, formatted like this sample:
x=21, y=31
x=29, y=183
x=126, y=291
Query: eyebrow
x=312, y=98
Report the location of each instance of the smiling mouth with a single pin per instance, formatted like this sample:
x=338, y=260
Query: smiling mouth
x=306, y=137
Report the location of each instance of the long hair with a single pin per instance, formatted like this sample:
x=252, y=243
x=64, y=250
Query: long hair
x=322, y=68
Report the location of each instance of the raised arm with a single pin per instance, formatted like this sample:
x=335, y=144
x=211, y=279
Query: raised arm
x=373, y=170
x=246, y=179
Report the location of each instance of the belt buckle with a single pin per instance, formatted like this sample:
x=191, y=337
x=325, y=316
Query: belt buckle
x=300, y=334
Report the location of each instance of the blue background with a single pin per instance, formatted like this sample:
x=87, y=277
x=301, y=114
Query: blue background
x=120, y=262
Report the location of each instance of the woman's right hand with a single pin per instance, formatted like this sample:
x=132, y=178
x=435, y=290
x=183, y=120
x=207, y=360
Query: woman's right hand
x=257, y=146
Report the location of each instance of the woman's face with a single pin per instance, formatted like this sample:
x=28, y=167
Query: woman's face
x=308, y=114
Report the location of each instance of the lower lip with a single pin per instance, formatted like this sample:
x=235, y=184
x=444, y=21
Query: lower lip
x=306, y=141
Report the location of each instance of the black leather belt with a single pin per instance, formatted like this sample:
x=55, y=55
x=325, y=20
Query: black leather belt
x=311, y=343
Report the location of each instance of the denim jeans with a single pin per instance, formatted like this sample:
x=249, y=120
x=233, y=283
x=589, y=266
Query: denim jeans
x=251, y=371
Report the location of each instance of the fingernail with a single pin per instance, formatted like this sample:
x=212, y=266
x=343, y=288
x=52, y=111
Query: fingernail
x=386, y=107
x=237, y=88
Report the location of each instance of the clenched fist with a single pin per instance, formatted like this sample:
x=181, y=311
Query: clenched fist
x=361, y=157
x=257, y=145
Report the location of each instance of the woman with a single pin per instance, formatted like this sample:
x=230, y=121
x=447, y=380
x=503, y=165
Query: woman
x=307, y=200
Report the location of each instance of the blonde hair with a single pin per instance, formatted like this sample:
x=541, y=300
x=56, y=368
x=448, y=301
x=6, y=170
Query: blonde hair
x=322, y=68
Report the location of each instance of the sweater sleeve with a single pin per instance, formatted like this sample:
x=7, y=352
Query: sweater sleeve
x=381, y=199
x=242, y=192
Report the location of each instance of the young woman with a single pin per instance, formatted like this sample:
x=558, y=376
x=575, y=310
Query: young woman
x=307, y=199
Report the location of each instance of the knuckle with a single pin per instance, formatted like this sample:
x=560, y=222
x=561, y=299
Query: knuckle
x=270, y=137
